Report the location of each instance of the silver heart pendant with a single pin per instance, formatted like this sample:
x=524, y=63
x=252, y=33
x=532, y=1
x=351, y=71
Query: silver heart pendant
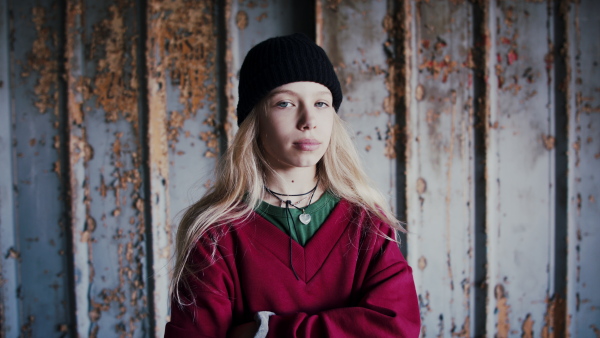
x=304, y=218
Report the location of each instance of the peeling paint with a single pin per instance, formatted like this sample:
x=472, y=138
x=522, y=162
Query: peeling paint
x=554, y=318
x=527, y=327
x=333, y=4
x=502, y=312
x=548, y=141
x=41, y=61
x=114, y=87
x=420, y=93
x=241, y=20
x=421, y=186
x=464, y=330
x=12, y=253
x=422, y=263
x=184, y=34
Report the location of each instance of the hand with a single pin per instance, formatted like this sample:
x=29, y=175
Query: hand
x=247, y=330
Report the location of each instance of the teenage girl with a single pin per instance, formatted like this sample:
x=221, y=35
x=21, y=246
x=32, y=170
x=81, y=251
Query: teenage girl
x=291, y=240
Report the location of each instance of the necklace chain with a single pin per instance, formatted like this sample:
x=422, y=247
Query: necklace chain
x=288, y=202
x=304, y=218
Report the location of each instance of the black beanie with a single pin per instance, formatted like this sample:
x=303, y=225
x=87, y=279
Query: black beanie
x=280, y=60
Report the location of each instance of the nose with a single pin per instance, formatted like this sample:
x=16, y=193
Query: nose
x=307, y=117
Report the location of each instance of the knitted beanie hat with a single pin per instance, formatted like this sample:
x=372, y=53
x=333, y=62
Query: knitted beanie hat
x=280, y=60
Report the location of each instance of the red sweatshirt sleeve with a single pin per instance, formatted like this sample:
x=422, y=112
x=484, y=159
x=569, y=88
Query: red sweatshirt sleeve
x=388, y=306
x=211, y=314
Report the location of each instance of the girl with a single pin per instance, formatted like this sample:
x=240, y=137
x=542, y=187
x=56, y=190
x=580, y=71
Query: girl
x=291, y=240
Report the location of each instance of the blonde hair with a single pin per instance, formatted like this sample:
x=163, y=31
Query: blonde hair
x=239, y=186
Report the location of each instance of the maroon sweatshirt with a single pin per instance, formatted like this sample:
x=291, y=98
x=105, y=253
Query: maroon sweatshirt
x=352, y=281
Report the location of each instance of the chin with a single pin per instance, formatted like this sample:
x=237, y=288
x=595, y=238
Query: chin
x=310, y=162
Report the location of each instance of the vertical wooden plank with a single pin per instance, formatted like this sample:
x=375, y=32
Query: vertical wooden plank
x=583, y=296
x=106, y=184
x=183, y=122
x=520, y=168
x=353, y=35
x=440, y=168
x=9, y=321
x=39, y=239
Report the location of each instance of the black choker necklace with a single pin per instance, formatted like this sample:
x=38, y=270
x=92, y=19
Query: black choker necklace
x=304, y=217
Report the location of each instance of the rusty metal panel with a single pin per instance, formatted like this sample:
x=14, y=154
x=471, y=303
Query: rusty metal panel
x=107, y=197
x=353, y=35
x=183, y=125
x=9, y=321
x=520, y=169
x=37, y=233
x=440, y=169
x=583, y=296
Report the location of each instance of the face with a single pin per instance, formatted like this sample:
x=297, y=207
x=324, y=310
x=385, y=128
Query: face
x=296, y=128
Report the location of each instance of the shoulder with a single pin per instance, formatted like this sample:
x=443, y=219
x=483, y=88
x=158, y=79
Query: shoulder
x=364, y=217
x=229, y=231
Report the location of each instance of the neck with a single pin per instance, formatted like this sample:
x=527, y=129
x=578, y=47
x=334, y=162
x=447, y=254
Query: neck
x=291, y=182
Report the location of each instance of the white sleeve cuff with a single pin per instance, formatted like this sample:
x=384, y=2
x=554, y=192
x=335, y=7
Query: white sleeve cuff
x=262, y=318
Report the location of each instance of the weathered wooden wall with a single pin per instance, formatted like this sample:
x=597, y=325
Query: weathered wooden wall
x=478, y=119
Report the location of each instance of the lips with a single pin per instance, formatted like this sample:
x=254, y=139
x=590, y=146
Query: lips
x=307, y=144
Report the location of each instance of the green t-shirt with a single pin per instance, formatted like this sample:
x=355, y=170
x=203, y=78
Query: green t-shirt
x=319, y=211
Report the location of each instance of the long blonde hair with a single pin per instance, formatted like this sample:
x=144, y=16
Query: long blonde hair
x=239, y=186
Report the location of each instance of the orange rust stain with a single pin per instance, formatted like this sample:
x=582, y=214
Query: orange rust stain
x=183, y=35
x=548, y=141
x=114, y=87
x=241, y=20
x=465, y=330
x=175, y=125
x=74, y=104
x=186, y=41
x=509, y=16
x=14, y=254
x=502, y=308
x=56, y=167
x=437, y=68
x=41, y=61
x=80, y=149
x=554, y=318
x=27, y=328
x=421, y=185
x=333, y=4
x=577, y=147
x=432, y=116
x=391, y=137
x=420, y=92
x=422, y=264
x=527, y=327
x=261, y=17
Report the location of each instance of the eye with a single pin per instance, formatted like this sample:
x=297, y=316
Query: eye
x=321, y=104
x=284, y=104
